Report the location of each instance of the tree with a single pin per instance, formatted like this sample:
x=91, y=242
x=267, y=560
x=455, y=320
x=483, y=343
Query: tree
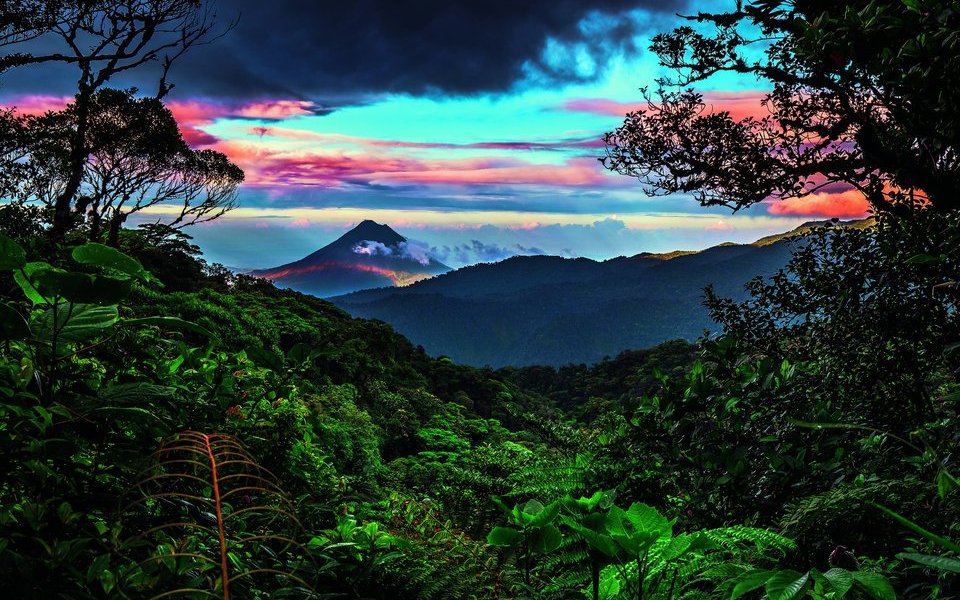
x=865, y=94
x=101, y=38
x=136, y=159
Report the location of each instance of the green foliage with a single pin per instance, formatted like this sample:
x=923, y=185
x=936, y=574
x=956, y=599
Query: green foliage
x=787, y=584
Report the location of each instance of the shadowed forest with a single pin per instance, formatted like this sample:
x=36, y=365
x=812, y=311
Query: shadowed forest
x=172, y=429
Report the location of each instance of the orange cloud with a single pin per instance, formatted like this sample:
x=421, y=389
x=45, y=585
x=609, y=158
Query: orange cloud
x=846, y=204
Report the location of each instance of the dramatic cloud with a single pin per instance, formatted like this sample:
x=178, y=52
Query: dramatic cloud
x=739, y=104
x=191, y=115
x=846, y=204
x=273, y=167
x=477, y=252
x=348, y=49
x=410, y=249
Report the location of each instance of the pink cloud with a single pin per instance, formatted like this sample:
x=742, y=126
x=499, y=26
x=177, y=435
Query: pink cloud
x=846, y=204
x=275, y=110
x=739, y=104
x=575, y=172
x=720, y=225
x=37, y=105
x=271, y=167
x=193, y=115
x=301, y=223
x=288, y=133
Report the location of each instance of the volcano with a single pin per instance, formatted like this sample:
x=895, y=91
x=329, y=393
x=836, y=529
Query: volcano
x=370, y=255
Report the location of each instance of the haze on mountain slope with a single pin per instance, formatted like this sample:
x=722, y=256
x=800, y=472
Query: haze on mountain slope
x=550, y=310
x=368, y=256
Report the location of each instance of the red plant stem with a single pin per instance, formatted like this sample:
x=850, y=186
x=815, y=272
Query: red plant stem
x=223, y=537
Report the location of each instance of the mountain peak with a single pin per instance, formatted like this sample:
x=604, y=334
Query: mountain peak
x=368, y=230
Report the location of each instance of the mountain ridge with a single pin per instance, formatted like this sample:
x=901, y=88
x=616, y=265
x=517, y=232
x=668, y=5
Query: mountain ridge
x=552, y=310
x=370, y=255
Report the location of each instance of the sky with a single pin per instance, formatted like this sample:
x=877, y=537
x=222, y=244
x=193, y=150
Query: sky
x=473, y=128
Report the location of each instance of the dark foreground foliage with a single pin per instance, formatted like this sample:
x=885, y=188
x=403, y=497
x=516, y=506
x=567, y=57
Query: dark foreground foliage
x=213, y=435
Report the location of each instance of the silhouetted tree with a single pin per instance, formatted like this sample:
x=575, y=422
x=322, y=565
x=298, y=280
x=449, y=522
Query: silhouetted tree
x=136, y=159
x=101, y=38
x=864, y=94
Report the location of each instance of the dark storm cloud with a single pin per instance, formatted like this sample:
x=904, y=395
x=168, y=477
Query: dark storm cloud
x=345, y=49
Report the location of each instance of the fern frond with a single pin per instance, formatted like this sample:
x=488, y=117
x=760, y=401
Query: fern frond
x=571, y=477
x=211, y=521
x=738, y=538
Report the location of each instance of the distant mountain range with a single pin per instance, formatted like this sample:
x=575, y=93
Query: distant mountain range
x=550, y=310
x=368, y=256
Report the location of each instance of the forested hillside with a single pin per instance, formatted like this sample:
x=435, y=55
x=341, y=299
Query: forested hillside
x=548, y=310
x=155, y=424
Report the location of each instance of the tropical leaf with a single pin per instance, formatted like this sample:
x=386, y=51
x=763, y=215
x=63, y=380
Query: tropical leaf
x=12, y=255
x=752, y=580
x=914, y=527
x=24, y=278
x=98, y=255
x=841, y=580
x=504, y=537
x=12, y=324
x=787, y=585
x=545, y=539
x=940, y=563
x=874, y=585
x=73, y=322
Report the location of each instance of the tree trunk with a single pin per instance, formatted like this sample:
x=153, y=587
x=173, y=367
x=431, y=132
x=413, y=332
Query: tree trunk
x=114, y=237
x=62, y=215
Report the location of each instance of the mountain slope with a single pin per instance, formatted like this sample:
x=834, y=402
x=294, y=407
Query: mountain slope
x=368, y=256
x=550, y=310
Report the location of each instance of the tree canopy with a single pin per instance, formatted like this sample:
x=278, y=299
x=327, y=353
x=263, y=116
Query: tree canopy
x=863, y=94
x=101, y=39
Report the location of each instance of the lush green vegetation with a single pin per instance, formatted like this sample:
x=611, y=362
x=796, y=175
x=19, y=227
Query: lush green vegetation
x=170, y=429
x=186, y=430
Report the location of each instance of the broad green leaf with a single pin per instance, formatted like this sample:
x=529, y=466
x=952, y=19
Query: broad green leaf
x=609, y=585
x=676, y=547
x=936, y=539
x=12, y=255
x=841, y=580
x=265, y=358
x=585, y=504
x=787, y=585
x=545, y=540
x=637, y=528
x=299, y=353
x=875, y=585
x=750, y=581
x=98, y=255
x=82, y=288
x=12, y=324
x=925, y=259
x=504, y=537
x=940, y=563
x=24, y=278
x=546, y=515
x=946, y=483
x=74, y=322
x=598, y=541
